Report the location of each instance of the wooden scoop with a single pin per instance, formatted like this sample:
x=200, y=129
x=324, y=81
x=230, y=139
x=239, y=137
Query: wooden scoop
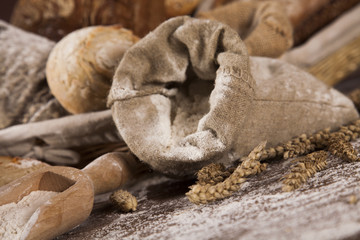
x=76, y=189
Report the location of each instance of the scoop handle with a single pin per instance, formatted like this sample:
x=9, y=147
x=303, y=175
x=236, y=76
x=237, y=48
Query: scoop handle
x=112, y=170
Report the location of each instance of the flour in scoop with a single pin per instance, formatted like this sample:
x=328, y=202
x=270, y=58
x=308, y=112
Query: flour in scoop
x=15, y=216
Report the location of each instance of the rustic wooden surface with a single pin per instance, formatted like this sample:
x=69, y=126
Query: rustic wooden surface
x=321, y=209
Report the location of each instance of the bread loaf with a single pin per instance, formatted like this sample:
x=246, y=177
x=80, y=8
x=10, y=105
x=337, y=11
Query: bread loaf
x=80, y=67
x=56, y=18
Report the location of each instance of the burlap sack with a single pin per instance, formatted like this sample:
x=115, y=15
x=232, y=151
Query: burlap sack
x=306, y=16
x=171, y=115
x=264, y=26
x=24, y=93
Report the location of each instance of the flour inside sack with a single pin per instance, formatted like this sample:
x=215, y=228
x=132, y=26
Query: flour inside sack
x=192, y=103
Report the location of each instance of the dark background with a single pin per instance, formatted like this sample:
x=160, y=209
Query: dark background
x=349, y=83
x=6, y=7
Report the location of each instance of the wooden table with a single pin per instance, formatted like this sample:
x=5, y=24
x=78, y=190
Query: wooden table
x=320, y=209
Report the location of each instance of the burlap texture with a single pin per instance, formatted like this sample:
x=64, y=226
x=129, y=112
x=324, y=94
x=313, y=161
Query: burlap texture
x=24, y=93
x=306, y=16
x=171, y=115
x=264, y=26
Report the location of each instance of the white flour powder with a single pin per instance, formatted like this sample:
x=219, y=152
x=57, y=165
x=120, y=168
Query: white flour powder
x=15, y=216
x=26, y=163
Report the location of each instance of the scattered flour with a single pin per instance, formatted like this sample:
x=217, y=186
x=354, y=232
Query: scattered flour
x=319, y=210
x=26, y=163
x=15, y=216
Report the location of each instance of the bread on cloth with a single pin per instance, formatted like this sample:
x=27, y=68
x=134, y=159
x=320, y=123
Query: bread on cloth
x=188, y=94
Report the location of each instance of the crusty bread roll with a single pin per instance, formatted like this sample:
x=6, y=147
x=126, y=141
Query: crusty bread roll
x=80, y=67
x=54, y=19
x=175, y=8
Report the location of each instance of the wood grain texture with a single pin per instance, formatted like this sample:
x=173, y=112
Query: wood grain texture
x=112, y=170
x=321, y=209
x=75, y=188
